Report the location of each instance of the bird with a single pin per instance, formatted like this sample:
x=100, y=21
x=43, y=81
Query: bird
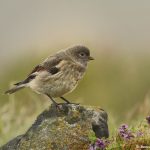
x=58, y=74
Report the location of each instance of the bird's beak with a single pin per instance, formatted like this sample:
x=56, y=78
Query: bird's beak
x=91, y=58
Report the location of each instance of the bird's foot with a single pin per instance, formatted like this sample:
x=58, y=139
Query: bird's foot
x=60, y=106
x=73, y=103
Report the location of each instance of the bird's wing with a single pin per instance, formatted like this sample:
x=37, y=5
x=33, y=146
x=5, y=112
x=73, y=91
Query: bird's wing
x=49, y=65
x=51, y=62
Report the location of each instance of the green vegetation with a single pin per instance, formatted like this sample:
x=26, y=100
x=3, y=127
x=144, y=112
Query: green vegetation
x=125, y=138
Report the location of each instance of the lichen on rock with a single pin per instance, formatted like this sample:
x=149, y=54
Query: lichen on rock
x=66, y=128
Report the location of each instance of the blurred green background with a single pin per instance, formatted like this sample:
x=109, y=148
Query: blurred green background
x=118, y=34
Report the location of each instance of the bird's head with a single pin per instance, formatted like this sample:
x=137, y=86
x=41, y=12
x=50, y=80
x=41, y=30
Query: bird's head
x=80, y=54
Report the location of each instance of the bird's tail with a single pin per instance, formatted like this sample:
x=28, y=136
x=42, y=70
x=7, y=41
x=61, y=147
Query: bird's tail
x=15, y=89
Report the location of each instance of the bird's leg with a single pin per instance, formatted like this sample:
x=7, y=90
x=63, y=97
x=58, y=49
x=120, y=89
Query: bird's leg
x=64, y=99
x=54, y=102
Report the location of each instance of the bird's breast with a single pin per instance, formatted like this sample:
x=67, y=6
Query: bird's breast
x=63, y=82
x=67, y=80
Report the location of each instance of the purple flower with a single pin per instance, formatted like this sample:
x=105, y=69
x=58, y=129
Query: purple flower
x=100, y=143
x=124, y=132
x=92, y=147
x=139, y=134
x=148, y=119
x=124, y=126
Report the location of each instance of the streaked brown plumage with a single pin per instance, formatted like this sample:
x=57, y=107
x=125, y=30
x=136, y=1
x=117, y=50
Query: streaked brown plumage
x=58, y=74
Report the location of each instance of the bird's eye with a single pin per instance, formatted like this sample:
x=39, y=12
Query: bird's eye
x=82, y=54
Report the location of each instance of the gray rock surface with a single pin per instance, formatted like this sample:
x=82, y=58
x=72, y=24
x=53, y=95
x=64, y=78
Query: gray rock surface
x=66, y=128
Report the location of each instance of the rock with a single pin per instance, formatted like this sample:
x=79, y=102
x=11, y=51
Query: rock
x=66, y=128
